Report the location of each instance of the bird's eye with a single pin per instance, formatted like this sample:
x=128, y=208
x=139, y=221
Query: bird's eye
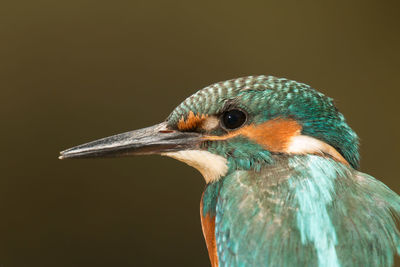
x=233, y=119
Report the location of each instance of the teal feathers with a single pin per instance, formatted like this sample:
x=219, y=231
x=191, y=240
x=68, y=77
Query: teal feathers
x=282, y=209
x=313, y=196
x=303, y=211
x=242, y=154
x=280, y=163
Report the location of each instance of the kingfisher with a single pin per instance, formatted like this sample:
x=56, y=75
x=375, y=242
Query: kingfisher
x=281, y=166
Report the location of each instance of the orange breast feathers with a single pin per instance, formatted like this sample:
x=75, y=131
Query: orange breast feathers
x=208, y=226
x=274, y=135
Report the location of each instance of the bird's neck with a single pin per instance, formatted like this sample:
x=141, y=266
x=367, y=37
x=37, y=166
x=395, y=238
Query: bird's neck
x=302, y=186
x=276, y=172
x=291, y=184
x=210, y=197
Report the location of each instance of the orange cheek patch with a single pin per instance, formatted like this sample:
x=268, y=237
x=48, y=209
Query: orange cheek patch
x=192, y=121
x=274, y=135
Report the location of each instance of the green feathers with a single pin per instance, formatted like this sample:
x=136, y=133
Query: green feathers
x=241, y=153
x=275, y=208
x=313, y=185
x=303, y=211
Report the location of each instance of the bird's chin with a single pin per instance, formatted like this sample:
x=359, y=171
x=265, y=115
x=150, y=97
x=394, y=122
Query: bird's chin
x=210, y=165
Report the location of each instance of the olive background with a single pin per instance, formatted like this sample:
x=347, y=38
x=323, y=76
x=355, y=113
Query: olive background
x=77, y=70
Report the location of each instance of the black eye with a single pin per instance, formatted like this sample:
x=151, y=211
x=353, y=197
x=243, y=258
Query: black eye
x=233, y=119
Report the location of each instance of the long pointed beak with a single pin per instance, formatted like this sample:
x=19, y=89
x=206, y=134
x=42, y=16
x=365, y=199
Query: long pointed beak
x=156, y=139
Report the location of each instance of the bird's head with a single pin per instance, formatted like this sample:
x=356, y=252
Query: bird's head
x=239, y=125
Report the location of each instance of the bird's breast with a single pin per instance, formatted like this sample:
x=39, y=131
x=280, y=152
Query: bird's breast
x=208, y=227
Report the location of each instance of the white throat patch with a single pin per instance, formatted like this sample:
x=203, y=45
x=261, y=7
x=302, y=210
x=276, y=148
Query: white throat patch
x=211, y=166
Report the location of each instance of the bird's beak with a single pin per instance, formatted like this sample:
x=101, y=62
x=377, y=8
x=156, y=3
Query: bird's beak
x=156, y=139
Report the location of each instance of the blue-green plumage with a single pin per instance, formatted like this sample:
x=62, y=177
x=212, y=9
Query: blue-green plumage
x=303, y=211
x=275, y=209
x=281, y=166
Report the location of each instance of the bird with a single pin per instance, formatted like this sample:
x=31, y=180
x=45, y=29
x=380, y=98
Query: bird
x=281, y=167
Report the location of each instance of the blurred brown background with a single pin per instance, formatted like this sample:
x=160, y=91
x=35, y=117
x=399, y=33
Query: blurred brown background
x=77, y=70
